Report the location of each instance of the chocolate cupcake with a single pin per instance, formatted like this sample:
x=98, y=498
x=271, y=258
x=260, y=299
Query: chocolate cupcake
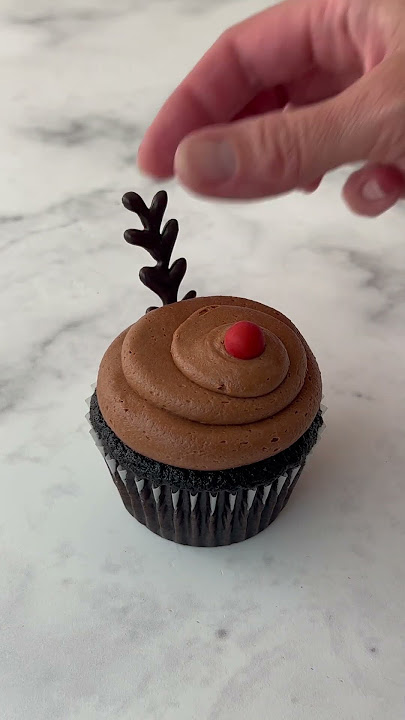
x=205, y=409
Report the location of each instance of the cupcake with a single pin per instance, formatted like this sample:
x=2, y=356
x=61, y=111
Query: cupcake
x=205, y=409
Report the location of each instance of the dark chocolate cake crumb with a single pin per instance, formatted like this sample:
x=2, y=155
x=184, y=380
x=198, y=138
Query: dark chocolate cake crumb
x=248, y=476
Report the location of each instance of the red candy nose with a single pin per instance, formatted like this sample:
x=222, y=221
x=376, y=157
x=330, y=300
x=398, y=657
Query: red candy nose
x=244, y=341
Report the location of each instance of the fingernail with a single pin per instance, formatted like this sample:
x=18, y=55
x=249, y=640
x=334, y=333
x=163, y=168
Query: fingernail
x=373, y=191
x=208, y=161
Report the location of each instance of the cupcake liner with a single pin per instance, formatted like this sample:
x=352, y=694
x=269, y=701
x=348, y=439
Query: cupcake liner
x=201, y=519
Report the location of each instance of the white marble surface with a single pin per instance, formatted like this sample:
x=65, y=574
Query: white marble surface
x=99, y=618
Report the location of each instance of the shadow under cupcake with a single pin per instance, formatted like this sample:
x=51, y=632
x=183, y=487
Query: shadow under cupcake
x=205, y=409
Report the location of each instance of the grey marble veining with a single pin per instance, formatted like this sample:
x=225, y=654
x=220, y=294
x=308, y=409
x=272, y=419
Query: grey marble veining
x=99, y=618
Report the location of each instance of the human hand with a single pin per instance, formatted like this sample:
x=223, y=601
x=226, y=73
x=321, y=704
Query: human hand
x=286, y=96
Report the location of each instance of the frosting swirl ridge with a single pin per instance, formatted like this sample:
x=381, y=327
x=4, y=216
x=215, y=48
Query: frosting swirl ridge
x=199, y=353
x=170, y=391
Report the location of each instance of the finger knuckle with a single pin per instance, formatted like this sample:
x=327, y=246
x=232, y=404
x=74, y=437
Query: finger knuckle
x=281, y=144
x=227, y=37
x=388, y=107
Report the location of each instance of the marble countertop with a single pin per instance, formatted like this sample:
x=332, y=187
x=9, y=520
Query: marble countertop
x=99, y=618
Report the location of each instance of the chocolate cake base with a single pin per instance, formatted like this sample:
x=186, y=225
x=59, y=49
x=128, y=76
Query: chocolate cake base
x=202, y=508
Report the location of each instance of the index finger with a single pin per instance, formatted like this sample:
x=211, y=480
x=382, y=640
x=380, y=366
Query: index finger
x=266, y=50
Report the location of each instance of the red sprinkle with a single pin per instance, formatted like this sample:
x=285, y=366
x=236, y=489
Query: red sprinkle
x=244, y=341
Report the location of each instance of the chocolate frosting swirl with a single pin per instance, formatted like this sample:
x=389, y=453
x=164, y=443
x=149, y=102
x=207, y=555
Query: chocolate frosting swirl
x=169, y=390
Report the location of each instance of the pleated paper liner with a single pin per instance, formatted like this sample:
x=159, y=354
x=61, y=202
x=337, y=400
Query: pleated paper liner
x=201, y=519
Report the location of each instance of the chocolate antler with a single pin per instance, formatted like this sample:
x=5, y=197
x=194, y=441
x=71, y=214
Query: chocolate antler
x=161, y=279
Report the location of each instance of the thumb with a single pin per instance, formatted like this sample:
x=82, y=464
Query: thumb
x=277, y=152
